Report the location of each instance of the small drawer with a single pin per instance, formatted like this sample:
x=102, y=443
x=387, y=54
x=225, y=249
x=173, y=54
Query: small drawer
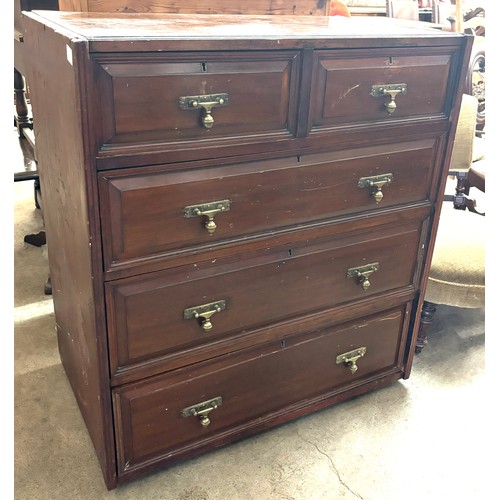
x=188, y=100
x=354, y=87
x=178, y=315
x=151, y=215
x=171, y=415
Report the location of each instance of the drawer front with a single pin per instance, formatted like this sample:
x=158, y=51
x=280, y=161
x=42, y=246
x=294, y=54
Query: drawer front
x=147, y=318
x=144, y=215
x=150, y=99
x=253, y=386
x=346, y=88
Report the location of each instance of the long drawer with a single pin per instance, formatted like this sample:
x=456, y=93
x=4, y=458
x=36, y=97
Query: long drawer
x=147, y=215
x=154, y=317
x=167, y=416
x=354, y=87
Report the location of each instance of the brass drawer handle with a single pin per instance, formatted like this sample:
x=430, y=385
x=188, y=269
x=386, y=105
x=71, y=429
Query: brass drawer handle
x=206, y=103
x=350, y=358
x=205, y=312
x=376, y=183
x=208, y=210
x=391, y=90
x=363, y=273
x=202, y=410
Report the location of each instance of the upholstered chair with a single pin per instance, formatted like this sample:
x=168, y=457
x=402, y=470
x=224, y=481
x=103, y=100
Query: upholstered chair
x=457, y=273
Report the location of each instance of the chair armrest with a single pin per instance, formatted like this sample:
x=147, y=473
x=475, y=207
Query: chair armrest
x=476, y=178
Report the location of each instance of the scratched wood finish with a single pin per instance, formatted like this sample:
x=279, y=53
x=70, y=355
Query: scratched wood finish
x=261, y=87
x=117, y=30
x=342, y=86
x=21, y=58
x=257, y=292
x=267, y=7
x=72, y=232
x=255, y=386
x=265, y=195
x=125, y=262
x=263, y=95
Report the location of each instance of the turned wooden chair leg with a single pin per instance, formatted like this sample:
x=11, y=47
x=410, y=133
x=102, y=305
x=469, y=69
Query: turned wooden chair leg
x=22, y=118
x=37, y=193
x=426, y=318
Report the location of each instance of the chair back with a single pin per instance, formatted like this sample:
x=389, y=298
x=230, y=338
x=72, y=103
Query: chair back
x=463, y=145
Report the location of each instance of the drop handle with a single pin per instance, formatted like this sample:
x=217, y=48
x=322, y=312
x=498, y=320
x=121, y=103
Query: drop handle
x=201, y=410
x=350, y=358
x=391, y=90
x=205, y=317
x=204, y=313
x=205, y=103
x=363, y=273
x=376, y=183
x=208, y=211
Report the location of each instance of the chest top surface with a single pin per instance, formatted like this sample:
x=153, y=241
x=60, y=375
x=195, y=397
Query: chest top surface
x=255, y=31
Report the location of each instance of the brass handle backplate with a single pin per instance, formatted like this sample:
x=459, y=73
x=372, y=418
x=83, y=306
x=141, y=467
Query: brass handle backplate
x=201, y=410
x=363, y=273
x=350, y=358
x=206, y=103
x=205, y=312
x=209, y=211
x=392, y=90
x=376, y=183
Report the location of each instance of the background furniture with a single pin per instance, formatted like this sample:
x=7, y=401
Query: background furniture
x=223, y=254
x=403, y=9
x=459, y=15
x=22, y=116
x=367, y=7
x=256, y=7
x=457, y=273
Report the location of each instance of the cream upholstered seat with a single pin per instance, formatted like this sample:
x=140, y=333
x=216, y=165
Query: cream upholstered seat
x=457, y=273
x=457, y=270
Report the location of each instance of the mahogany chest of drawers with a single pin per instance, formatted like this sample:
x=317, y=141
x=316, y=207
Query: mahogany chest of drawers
x=240, y=214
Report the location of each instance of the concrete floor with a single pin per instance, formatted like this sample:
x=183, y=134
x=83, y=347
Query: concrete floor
x=424, y=438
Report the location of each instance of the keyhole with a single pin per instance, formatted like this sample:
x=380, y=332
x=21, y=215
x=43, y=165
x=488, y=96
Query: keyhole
x=299, y=158
x=290, y=252
x=390, y=61
x=204, y=67
x=283, y=343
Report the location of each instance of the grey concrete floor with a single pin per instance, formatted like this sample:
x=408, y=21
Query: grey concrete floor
x=429, y=437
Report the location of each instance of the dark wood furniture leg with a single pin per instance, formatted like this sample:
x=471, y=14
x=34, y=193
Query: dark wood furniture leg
x=426, y=318
x=24, y=125
x=22, y=121
x=22, y=118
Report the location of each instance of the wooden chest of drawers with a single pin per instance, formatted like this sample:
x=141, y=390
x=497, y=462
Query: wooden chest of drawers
x=240, y=214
